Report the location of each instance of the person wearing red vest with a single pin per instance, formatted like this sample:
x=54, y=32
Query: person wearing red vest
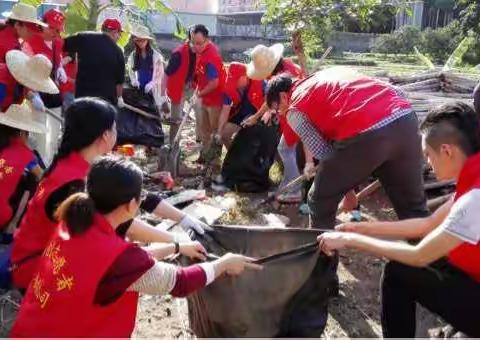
x=49, y=43
x=89, y=132
x=242, y=98
x=21, y=23
x=180, y=71
x=354, y=125
x=442, y=271
x=85, y=251
x=266, y=63
x=17, y=161
x=210, y=77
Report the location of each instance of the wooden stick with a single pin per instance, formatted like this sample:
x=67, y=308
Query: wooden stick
x=438, y=185
x=368, y=190
x=141, y=112
x=436, y=202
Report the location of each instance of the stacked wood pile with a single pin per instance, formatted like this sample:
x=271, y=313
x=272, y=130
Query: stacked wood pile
x=433, y=88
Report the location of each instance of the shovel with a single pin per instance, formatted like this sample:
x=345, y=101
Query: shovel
x=169, y=155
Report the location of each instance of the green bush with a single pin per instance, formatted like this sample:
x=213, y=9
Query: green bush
x=401, y=41
x=437, y=44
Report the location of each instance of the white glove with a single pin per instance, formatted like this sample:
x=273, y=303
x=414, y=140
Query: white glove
x=37, y=102
x=61, y=76
x=149, y=87
x=134, y=82
x=309, y=170
x=66, y=60
x=189, y=222
x=120, y=102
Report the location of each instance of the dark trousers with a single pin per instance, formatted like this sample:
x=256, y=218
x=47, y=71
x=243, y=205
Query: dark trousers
x=393, y=153
x=441, y=288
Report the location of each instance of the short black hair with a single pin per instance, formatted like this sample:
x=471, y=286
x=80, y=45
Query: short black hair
x=455, y=123
x=278, y=84
x=200, y=29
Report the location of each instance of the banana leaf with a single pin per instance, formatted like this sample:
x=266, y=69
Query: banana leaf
x=457, y=55
x=424, y=59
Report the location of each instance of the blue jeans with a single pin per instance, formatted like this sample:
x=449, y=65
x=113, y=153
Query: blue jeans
x=288, y=155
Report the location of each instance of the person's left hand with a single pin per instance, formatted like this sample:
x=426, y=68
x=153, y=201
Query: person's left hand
x=330, y=241
x=267, y=116
x=61, y=75
x=348, y=203
x=193, y=250
x=188, y=222
x=149, y=87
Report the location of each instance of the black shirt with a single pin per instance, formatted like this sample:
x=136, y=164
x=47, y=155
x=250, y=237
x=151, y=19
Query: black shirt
x=175, y=61
x=101, y=65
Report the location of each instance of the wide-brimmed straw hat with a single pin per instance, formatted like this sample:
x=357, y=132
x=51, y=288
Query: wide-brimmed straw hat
x=25, y=13
x=23, y=118
x=32, y=72
x=264, y=60
x=140, y=32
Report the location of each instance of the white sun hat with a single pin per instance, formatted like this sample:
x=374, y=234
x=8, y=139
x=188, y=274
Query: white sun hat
x=21, y=116
x=32, y=72
x=264, y=60
x=25, y=13
x=141, y=32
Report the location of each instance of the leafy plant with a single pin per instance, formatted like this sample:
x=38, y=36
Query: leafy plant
x=401, y=41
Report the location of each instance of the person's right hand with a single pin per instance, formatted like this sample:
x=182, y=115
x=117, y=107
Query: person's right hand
x=37, y=103
x=193, y=250
x=266, y=117
x=134, y=82
x=234, y=264
x=250, y=121
x=309, y=170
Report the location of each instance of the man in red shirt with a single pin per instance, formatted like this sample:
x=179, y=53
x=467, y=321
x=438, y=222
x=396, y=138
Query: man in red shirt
x=210, y=76
x=355, y=126
x=20, y=24
x=442, y=271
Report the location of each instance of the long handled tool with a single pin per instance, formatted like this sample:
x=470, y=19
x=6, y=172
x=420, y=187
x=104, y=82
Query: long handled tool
x=141, y=112
x=54, y=115
x=169, y=155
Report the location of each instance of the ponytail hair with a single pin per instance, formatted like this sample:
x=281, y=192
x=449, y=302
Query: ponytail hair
x=111, y=182
x=86, y=119
x=77, y=212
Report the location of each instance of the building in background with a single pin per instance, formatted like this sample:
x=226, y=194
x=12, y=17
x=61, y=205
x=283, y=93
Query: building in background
x=427, y=14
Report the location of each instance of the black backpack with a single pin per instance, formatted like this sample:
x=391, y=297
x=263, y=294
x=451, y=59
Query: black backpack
x=247, y=163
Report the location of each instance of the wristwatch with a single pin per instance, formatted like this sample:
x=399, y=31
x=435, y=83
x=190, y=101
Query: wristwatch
x=177, y=247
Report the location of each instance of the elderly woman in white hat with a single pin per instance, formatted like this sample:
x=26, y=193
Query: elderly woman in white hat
x=17, y=160
x=146, y=66
x=21, y=23
x=267, y=62
x=32, y=73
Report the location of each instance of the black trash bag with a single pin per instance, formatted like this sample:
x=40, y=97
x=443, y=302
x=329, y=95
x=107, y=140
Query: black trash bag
x=247, y=163
x=134, y=128
x=288, y=298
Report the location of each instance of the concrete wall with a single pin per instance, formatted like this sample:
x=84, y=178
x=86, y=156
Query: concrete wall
x=352, y=42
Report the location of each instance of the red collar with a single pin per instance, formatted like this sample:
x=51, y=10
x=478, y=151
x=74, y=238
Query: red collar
x=469, y=176
x=80, y=162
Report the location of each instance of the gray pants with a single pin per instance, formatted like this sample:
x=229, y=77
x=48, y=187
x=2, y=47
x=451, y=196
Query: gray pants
x=177, y=113
x=393, y=153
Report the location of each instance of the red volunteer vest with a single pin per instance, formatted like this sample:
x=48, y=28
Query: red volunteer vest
x=59, y=301
x=176, y=82
x=10, y=87
x=341, y=109
x=8, y=41
x=289, y=67
x=210, y=55
x=467, y=256
x=255, y=96
x=36, y=228
x=13, y=161
x=71, y=71
x=36, y=45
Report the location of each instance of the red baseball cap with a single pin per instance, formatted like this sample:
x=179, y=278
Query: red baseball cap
x=54, y=19
x=112, y=25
